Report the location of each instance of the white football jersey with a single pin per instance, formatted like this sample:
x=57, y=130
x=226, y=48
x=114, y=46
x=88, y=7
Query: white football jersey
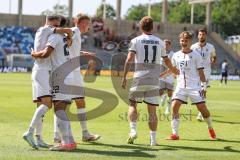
x=60, y=54
x=206, y=52
x=163, y=67
x=188, y=65
x=149, y=49
x=40, y=42
x=75, y=48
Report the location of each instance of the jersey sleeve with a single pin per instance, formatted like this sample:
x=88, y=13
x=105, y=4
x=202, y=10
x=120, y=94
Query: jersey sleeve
x=173, y=60
x=75, y=33
x=192, y=47
x=199, y=61
x=213, y=52
x=52, y=41
x=163, y=52
x=132, y=46
x=48, y=30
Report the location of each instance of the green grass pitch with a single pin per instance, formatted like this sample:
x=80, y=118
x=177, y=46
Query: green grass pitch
x=16, y=110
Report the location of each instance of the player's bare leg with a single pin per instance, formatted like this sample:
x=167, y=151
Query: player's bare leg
x=206, y=115
x=82, y=117
x=152, y=123
x=46, y=104
x=175, y=120
x=132, y=117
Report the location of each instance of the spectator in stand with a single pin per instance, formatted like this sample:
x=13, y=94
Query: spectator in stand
x=98, y=26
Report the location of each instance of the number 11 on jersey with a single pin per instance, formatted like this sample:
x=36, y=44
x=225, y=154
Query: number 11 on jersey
x=154, y=48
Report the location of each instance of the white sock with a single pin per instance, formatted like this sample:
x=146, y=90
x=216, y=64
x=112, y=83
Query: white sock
x=169, y=102
x=153, y=136
x=199, y=114
x=39, y=113
x=163, y=99
x=82, y=117
x=133, y=127
x=209, y=122
x=56, y=129
x=64, y=127
x=39, y=128
x=175, y=126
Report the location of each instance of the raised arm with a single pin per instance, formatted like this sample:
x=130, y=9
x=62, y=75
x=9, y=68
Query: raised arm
x=165, y=73
x=43, y=53
x=168, y=63
x=68, y=31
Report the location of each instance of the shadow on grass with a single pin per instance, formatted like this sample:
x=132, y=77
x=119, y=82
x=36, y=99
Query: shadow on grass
x=130, y=153
x=209, y=140
x=135, y=150
x=195, y=115
x=138, y=149
x=227, y=122
x=225, y=149
x=145, y=151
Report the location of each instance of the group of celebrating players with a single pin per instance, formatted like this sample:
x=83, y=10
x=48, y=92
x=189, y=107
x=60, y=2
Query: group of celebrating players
x=56, y=45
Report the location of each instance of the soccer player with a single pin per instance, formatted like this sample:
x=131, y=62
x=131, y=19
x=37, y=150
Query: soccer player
x=208, y=54
x=40, y=81
x=166, y=81
x=191, y=67
x=57, y=50
x=224, y=68
x=82, y=22
x=146, y=51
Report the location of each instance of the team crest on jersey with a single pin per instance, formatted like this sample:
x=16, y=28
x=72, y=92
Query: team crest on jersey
x=182, y=63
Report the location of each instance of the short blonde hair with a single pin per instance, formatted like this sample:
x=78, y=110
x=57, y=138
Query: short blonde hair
x=79, y=17
x=146, y=24
x=185, y=34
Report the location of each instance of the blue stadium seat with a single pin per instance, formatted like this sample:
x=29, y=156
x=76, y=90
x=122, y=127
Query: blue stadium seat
x=16, y=39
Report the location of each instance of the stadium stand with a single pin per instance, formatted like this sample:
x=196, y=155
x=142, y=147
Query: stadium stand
x=16, y=39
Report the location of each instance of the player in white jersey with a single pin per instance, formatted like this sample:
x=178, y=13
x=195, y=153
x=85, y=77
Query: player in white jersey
x=146, y=51
x=166, y=79
x=40, y=80
x=81, y=26
x=208, y=54
x=57, y=50
x=189, y=80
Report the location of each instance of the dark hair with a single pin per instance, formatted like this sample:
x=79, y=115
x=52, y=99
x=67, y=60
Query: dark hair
x=63, y=21
x=146, y=24
x=81, y=17
x=202, y=30
x=185, y=34
x=53, y=17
